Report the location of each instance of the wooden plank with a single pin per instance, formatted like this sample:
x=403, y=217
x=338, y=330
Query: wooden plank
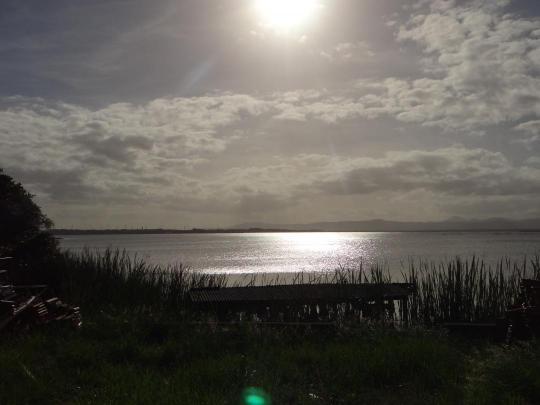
x=301, y=293
x=28, y=287
x=269, y=323
x=24, y=306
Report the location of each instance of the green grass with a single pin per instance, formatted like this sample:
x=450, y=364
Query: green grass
x=508, y=375
x=135, y=360
x=140, y=359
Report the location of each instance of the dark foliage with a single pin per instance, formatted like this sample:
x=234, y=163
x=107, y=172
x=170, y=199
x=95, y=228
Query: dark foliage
x=23, y=230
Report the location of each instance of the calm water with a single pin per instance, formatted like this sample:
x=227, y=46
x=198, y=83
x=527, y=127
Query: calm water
x=293, y=252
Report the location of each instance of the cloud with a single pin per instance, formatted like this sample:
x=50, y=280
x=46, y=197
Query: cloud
x=61, y=185
x=533, y=161
x=349, y=52
x=531, y=127
x=532, y=131
x=95, y=142
x=466, y=67
x=159, y=155
x=190, y=126
x=148, y=158
x=69, y=152
x=479, y=67
x=483, y=65
x=455, y=171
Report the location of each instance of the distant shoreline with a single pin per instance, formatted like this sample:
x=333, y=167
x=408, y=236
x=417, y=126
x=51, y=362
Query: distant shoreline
x=374, y=225
x=166, y=231
x=67, y=232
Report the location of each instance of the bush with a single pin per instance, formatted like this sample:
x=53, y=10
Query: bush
x=23, y=230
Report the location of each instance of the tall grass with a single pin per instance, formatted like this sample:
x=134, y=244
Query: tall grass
x=465, y=290
x=114, y=278
x=455, y=290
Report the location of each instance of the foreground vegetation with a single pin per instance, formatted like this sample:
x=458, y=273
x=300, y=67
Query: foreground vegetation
x=462, y=290
x=126, y=358
x=139, y=343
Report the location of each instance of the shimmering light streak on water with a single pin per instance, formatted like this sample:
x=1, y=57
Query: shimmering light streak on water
x=319, y=251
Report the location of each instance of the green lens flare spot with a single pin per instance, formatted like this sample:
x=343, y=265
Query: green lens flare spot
x=255, y=400
x=255, y=396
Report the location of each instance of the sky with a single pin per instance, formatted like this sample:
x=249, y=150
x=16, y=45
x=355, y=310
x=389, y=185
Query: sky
x=211, y=113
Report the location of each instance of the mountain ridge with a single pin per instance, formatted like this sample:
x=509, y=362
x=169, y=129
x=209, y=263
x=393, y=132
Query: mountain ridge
x=381, y=225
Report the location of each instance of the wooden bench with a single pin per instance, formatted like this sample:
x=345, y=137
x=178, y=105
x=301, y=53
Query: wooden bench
x=305, y=302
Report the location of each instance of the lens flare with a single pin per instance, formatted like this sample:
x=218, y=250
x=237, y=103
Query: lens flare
x=255, y=396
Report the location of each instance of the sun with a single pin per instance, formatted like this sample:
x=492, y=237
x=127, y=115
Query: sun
x=286, y=15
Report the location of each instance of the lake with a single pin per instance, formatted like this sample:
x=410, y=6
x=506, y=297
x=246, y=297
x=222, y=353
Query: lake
x=248, y=253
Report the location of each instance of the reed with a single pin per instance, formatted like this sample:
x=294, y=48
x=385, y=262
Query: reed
x=114, y=278
x=456, y=290
x=465, y=290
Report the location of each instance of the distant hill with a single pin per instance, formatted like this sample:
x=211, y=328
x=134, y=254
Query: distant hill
x=380, y=225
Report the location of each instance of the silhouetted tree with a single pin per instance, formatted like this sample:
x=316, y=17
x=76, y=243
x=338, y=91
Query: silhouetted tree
x=23, y=227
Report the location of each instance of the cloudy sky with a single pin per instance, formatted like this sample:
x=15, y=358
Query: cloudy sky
x=183, y=113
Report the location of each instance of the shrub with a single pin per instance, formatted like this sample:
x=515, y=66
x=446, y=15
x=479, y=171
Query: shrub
x=23, y=230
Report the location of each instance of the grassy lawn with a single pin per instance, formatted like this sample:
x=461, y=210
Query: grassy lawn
x=128, y=359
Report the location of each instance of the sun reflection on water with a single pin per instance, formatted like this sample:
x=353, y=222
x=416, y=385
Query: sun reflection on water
x=313, y=241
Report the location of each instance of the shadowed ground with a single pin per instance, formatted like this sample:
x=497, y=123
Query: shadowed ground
x=129, y=359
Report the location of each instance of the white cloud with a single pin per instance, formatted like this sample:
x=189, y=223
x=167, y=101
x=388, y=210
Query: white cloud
x=139, y=159
x=61, y=150
x=455, y=171
x=533, y=161
x=480, y=68
x=483, y=67
x=531, y=127
x=349, y=52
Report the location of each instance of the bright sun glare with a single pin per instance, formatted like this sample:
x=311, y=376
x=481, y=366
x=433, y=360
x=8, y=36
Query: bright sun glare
x=286, y=15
